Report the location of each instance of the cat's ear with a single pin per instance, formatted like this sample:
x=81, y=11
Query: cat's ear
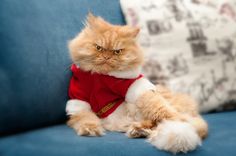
x=130, y=31
x=90, y=19
x=96, y=23
x=135, y=31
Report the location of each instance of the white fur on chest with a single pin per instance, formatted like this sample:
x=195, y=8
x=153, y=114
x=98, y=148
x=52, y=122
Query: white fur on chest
x=122, y=118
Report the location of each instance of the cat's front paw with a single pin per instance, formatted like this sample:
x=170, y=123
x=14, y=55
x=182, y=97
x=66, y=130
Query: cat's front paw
x=90, y=129
x=139, y=130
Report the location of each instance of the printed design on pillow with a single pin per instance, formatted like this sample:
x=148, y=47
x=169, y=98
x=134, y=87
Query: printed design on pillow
x=189, y=45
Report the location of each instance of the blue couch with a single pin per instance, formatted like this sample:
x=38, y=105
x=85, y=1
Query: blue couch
x=34, y=76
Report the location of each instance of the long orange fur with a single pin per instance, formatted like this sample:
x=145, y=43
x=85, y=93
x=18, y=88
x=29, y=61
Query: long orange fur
x=154, y=106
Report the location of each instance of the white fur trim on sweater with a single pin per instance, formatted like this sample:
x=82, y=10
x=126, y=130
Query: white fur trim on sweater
x=75, y=106
x=138, y=88
x=128, y=74
x=175, y=136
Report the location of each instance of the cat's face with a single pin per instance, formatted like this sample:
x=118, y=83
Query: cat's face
x=102, y=47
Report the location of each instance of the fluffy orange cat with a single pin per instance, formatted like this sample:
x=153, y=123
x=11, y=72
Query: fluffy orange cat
x=108, y=92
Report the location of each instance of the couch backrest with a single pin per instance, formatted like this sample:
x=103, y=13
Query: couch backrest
x=34, y=60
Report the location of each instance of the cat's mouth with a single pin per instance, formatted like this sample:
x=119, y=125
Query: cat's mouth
x=105, y=64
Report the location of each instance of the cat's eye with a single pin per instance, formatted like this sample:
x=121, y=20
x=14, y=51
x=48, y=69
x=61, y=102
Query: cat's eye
x=117, y=52
x=99, y=48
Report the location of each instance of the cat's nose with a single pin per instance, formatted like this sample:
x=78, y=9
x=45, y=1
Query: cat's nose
x=106, y=57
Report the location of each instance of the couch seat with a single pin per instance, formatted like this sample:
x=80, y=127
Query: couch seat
x=62, y=141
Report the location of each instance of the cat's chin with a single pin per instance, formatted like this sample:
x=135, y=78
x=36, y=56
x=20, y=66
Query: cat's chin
x=100, y=68
x=103, y=70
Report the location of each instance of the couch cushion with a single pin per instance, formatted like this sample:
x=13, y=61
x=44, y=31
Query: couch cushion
x=62, y=141
x=34, y=61
x=183, y=49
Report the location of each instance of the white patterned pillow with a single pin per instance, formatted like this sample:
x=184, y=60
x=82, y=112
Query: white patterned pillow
x=190, y=46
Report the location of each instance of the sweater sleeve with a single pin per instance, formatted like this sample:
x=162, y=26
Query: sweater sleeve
x=76, y=106
x=137, y=88
x=78, y=93
x=79, y=85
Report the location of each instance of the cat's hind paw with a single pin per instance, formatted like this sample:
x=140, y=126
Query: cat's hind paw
x=175, y=137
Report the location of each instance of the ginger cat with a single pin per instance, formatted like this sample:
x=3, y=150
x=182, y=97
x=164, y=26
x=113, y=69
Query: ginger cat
x=108, y=92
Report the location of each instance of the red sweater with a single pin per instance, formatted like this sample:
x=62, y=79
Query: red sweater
x=104, y=93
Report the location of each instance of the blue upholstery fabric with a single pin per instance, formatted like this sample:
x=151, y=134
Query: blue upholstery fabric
x=34, y=60
x=62, y=141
